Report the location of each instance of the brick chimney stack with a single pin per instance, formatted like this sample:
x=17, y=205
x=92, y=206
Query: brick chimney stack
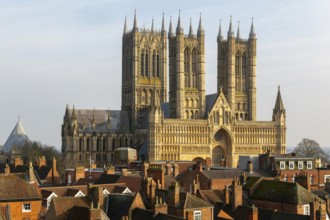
x=249, y=167
x=42, y=161
x=253, y=213
x=7, y=169
x=174, y=194
x=79, y=173
x=237, y=194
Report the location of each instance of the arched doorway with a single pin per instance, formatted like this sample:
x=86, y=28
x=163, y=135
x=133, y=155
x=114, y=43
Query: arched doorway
x=217, y=156
x=199, y=160
x=221, y=153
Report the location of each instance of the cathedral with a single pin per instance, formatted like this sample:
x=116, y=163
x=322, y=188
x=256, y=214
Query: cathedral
x=165, y=114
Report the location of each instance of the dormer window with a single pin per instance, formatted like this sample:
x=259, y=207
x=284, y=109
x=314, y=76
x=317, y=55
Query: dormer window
x=309, y=165
x=291, y=165
x=282, y=165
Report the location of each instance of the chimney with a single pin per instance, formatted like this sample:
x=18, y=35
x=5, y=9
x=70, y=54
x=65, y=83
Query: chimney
x=124, y=172
x=174, y=194
x=249, y=166
x=79, y=173
x=157, y=172
x=176, y=171
x=7, y=169
x=303, y=179
x=168, y=169
x=18, y=161
x=199, y=166
x=54, y=170
x=321, y=214
x=160, y=206
x=42, y=161
x=110, y=170
x=226, y=195
x=31, y=173
x=237, y=194
x=253, y=213
x=196, y=185
x=145, y=167
x=242, y=178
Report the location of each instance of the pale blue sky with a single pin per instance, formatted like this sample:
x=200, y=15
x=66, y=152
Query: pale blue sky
x=54, y=53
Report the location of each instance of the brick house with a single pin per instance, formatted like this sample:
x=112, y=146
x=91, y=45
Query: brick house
x=21, y=196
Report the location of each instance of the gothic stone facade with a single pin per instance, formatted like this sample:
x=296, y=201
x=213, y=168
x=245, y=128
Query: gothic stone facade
x=190, y=125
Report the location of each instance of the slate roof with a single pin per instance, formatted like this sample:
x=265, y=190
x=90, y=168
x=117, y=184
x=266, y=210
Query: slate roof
x=133, y=182
x=17, y=138
x=211, y=195
x=284, y=192
x=161, y=216
x=119, y=120
x=145, y=214
x=63, y=205
x=15, y=187
x=107, y=178
x=225, y=174
x=43, y=171
x=119, y=205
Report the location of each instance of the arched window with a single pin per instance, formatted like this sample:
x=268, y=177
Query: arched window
x=191, y=114
x=113, y=143
x=244, y=62
x=81, y=142
x=88, y=144
x=237, y=63
x=158, y=65
x=147, y=72
x=216, y=117
x=186, y=60
x=142, y=63
x=154, y=64
x=196, y=114
x=194, y=61
x=104, y=144
x=98, y=144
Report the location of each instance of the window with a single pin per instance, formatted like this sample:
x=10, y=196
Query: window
x=197, y=215
x=282, y=165
x=26, y=207
x=300, y=165
x=291, y=165
x=326, y=178
x=311, y=179
x=293, y=178
x=306, y=209
x=309, y=165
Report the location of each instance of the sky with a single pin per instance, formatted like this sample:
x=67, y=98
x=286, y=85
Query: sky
x=54, y=53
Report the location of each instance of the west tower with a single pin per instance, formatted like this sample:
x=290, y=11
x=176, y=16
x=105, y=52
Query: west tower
x=144, y=69
x=237, y=72
x=187, y=72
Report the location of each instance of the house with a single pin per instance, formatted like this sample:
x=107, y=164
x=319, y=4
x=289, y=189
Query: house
x=47, y=174
x=20, y=195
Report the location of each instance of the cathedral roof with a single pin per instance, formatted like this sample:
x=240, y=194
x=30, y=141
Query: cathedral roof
x=119, y=120
x=17, y=138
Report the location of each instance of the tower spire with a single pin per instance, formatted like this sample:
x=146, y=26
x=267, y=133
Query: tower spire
x=238, y=36
x=252, y=32
x=125, y=27
x=179, y=28
x=135, y=27
x=200, y=30
x=163, y=25
x=230, y=30
x=152, y=25
x=191, y=32
x=220, y=37
x=170, y=31
x=279, y=103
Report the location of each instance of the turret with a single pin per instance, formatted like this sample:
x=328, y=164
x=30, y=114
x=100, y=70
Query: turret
x=220, y=37
x=125, y=27
x=200, y=30
x=179, y=28
x=279, y=110
x=135, y=27
x=252, y=32
x=191, y=32
x=163, y=26
x=238, y=35
x=152, y=25
x=170, y=29
x=230, y=29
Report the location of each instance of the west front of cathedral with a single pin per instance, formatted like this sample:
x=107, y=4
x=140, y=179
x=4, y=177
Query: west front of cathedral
x=165, y=113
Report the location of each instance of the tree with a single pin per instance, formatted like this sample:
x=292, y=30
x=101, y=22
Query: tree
x=310, y=148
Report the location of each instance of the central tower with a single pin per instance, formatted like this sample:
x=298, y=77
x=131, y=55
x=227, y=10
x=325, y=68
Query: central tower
x=187, y=72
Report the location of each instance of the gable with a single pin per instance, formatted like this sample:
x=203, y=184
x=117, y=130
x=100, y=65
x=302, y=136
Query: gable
x=219, y=111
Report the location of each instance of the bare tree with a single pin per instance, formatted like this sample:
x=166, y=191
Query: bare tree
x=310, y=148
